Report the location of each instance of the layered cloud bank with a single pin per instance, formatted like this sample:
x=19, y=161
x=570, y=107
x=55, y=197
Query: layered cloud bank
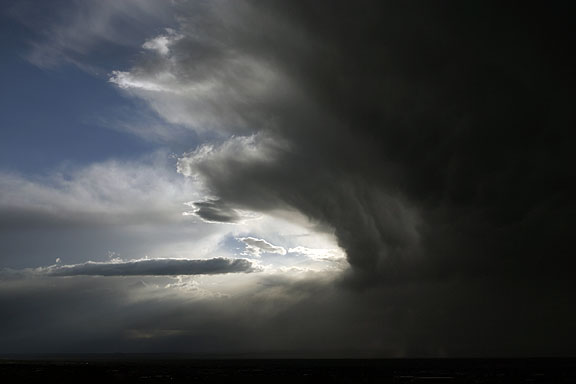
x=155, y=267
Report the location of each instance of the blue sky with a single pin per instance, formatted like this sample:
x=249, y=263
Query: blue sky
x=65, y=125
x=55, y=116
x=57, y=61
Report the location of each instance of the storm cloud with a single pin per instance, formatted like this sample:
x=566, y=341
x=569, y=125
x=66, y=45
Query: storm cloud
x=432, y=140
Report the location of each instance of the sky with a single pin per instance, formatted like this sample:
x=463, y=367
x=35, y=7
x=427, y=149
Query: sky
x=287, y=178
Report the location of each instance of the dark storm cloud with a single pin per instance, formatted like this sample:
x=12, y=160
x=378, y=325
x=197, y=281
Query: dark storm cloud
x=153, y=267
x=435, y=142
x=433, y=139
x=216, y=210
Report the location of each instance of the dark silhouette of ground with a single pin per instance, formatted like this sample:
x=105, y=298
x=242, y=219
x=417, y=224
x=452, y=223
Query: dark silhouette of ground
x=125, y=369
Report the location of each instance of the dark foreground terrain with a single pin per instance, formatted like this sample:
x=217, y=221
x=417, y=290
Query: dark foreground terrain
x=181, y=370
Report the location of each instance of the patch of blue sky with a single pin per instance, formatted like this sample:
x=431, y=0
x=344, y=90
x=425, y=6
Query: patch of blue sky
x=51, y=117
x=68, y=114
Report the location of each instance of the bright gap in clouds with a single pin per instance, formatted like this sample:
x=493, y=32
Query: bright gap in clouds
x=133, y=209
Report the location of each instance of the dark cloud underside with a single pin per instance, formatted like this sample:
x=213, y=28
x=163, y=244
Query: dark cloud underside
x=216, y=211
x=156, y=267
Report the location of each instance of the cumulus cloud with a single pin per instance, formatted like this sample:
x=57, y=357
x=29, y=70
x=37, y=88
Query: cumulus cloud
x=153, y=267
x=256, y=247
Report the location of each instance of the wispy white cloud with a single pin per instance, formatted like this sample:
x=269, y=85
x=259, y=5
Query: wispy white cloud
x=206, y=88
x=127, y=80
x=145, y=190
x=82, y=31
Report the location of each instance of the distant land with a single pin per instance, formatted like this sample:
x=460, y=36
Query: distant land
x=176, y=368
